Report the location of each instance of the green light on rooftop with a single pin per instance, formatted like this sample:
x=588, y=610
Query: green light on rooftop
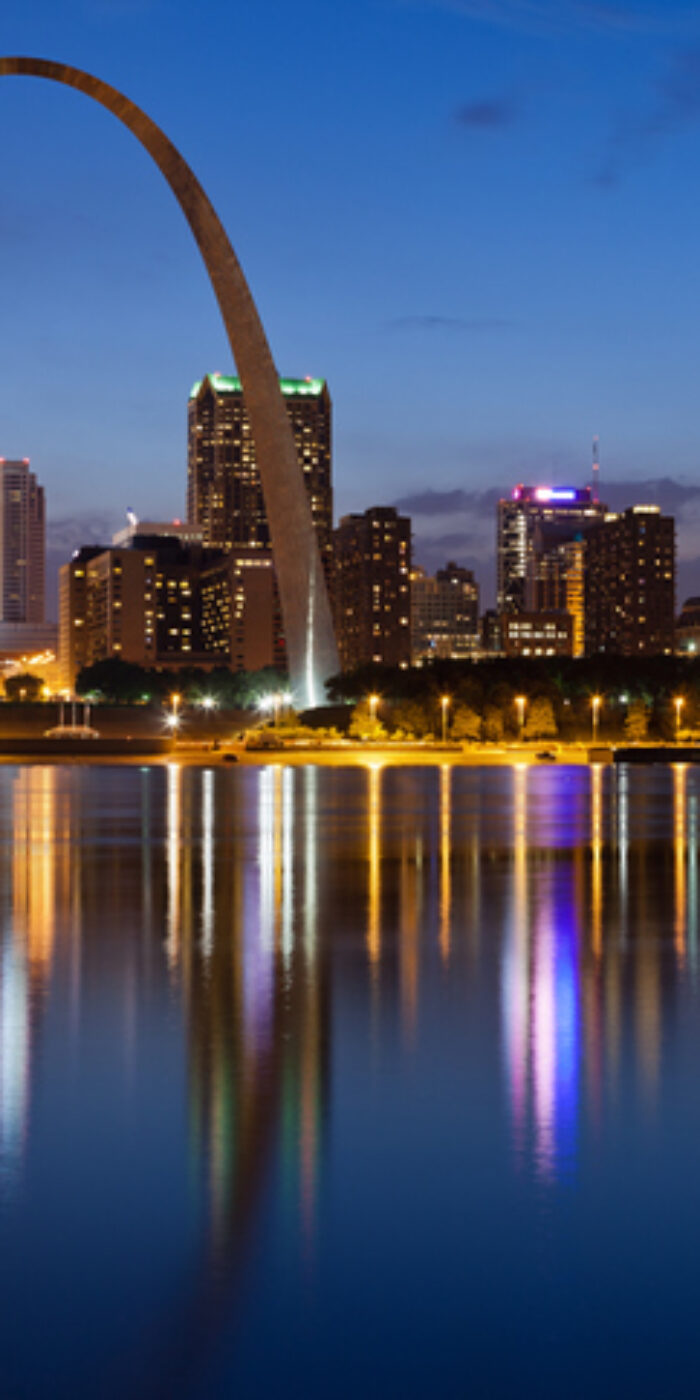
x=291, y=388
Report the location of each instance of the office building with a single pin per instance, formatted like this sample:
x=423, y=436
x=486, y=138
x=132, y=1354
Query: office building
x=444, y=613
x=556, y=583
x=224, y=493
x=630, y=584
x=537, y=634
x=537, y=518
x=72, y=616
x=372, y=588
x=22, y=544
x=241, y=621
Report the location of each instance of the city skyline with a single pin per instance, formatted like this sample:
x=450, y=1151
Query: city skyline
x=589, y=125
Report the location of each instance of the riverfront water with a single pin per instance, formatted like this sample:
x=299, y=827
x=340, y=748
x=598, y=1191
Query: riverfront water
x=325, y=1082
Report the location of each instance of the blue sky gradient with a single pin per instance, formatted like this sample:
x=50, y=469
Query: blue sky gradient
x=478, y=219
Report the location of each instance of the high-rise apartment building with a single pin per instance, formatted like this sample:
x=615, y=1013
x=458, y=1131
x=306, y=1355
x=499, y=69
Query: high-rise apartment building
x=372, y=588
x=534, y=520
x=73, y=647
x=224, y=492
x=241, y=620
x=630, y=584
x=444, y=613
x=22, y=543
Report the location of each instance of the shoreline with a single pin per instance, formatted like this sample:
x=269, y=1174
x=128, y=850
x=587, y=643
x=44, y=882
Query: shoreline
x=367, y=755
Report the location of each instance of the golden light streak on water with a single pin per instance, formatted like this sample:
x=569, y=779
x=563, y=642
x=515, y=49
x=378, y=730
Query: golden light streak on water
x=445, y=859
x=596, y=859
x=680, y=775
x=374, y=935
x=174, y=819
x=34, y=865
x=207, y=943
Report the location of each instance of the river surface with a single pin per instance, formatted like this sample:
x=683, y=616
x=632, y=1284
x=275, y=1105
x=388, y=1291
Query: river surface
x=342, y=1083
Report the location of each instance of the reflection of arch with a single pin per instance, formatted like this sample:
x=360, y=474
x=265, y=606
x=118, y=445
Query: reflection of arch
x=307, y=620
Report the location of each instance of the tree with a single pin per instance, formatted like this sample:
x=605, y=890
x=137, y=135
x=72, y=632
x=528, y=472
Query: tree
x=539, y=719
x=493, y=724
x=637, y=722
x=466, y=723
x=413, y=718
x=115, y=680
x=25, y=688
x=364, y=724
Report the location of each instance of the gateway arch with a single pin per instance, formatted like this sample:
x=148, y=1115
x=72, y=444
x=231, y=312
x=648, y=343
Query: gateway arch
x=306, y=614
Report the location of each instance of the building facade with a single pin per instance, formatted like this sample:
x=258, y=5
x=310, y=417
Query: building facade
x=372, y=588
x=630, y=584
x=165, y=602
x=224, y=492
x=536, y=520
x=537, y=634
x=22, y=544
x=241, y=619
x=444, y=613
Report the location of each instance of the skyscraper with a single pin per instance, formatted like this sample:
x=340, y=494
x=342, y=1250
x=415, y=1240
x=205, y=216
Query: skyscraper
x=444, y=613
x=22, y=543
x=556, y=514
x=224, y=493
x=372, y=588
x=630, y=584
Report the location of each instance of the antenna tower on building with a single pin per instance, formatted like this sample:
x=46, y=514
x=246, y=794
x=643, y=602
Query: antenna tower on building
x=596, y=469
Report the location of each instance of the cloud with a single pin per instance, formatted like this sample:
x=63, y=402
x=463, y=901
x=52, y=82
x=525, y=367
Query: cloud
x=449, y=323
x=675, y=106
x=457, y=502
x=487, y=114
x=75, y=530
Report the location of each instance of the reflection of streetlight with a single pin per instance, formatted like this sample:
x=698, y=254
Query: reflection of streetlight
x=679, y=702
x=520, y=703
x=596, y=703
x=444, y=706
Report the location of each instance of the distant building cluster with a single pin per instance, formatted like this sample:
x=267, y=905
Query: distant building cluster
x=573, y=578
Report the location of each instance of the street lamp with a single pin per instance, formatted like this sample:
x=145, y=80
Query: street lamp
x=520, y=703
x=174, y=718
x=596, y=703
x=373, y=702
x=679, y=702
x=444, y=706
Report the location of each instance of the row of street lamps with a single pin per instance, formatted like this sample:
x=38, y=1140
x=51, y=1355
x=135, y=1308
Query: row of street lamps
x=277, y=699
x=521, y=705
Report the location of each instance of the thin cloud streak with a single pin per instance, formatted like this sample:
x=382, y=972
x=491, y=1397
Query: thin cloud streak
x=449, y=323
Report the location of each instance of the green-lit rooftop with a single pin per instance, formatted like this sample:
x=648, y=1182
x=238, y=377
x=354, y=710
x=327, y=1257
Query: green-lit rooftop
x=229, y=384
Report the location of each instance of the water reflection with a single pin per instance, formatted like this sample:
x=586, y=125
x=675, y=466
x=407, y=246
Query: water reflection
x=268, y=908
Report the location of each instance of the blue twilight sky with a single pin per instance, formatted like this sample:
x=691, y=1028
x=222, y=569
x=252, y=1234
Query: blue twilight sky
x=478, y=219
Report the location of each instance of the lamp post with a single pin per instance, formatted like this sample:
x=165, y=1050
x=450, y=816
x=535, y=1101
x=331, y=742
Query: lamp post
x=520, y=703
x=679, y=702
x=444, y=706
x=373, y=702
x=174, y=717
x=596, y=703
